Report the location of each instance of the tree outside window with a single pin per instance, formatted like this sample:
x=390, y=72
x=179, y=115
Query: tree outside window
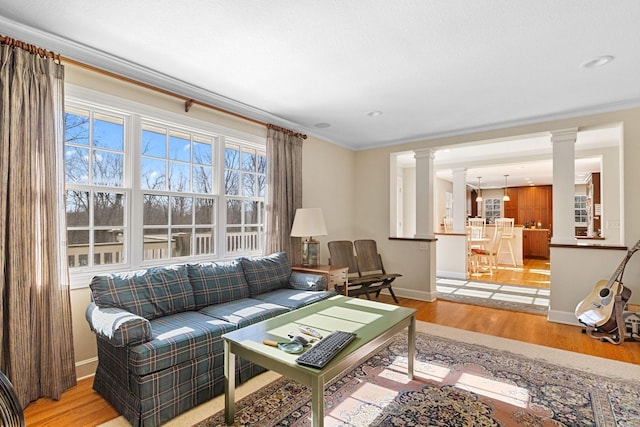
x=95, y=200
x=167, y=180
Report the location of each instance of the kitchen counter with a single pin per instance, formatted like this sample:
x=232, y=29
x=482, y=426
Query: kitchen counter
x=535, y=243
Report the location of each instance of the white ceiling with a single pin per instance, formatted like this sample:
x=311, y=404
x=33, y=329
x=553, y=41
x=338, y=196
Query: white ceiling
x=432, y=67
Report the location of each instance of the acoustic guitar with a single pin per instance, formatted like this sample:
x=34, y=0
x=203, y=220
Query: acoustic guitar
x=597, y=308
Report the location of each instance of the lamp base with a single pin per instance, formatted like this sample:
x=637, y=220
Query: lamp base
x=310, y=252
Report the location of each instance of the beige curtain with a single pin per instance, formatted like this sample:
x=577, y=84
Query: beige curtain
x=284, y=192
x=37, y=345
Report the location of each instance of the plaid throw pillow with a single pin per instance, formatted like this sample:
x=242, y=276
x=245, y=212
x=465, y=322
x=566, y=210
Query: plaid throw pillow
x=266, y=273
x=217, y=282
x=151, y=293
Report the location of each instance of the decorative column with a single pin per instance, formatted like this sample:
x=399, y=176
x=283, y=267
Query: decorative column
x=424, y=193
x=459, y=199
x=564, y=154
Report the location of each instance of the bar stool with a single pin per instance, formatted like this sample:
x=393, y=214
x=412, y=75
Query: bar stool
x=476, y=232
x=506, y=225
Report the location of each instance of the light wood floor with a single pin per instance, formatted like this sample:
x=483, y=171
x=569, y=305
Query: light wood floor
x=534, y=272
x=81, y=406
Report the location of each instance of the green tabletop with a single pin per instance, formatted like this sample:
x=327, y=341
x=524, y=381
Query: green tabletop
x=374, y=323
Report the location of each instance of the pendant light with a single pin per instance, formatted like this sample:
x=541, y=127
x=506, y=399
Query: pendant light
x=479, y=198
x=506, y=197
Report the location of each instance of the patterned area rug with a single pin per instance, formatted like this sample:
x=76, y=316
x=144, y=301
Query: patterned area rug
x=489, y=294
x=455, y=384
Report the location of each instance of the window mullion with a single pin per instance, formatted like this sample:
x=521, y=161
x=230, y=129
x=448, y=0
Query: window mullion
x=221, y=206
x=135, y=205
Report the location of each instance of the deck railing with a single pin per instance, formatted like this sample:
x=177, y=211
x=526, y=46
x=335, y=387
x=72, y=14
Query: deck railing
x=156, y=247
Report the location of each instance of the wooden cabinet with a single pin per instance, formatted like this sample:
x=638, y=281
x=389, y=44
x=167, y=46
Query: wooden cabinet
x=594, y=207
x=511, y=207
x=530, y=204
x=535, y=243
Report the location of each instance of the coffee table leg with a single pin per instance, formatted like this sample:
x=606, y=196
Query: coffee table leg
x=411, y=346
x=229, y=384
x=317, y=402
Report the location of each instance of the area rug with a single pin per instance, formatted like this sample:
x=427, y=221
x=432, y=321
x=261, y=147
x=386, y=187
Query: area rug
x=527, y=299
x=456, y=384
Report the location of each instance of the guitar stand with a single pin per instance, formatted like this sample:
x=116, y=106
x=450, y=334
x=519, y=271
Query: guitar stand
x=617, y=336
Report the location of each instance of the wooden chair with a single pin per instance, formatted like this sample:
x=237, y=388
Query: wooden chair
x=489, y=255
x=370, y=265
x=476, y=233
x=341, y=253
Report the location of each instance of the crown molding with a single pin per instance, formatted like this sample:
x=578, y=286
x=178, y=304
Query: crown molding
x=93, y=57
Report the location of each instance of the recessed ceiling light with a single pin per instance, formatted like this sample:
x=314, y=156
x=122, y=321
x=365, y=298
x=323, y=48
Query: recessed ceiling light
x=322, y=125
x=374, y=113
x=597, y=62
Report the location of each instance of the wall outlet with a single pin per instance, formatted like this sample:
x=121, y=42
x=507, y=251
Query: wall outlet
x=424, y=246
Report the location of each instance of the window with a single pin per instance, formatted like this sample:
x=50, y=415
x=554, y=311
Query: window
x=95, y=198
x=492, y=209
x=178, y=197
x=580, y=209
x=144, y=187
x=244, y=188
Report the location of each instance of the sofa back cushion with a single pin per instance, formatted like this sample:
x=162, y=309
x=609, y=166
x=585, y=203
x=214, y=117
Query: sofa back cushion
x=217, y=282
x=266, y=273
x=151, y=293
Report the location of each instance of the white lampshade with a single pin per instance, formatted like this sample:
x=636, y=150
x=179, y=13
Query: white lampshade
x=308, y=222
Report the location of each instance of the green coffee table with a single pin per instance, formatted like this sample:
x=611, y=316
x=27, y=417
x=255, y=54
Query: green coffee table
x=374, y=323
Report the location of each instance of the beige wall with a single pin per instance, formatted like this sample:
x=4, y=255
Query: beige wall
x=372, y=214
x=328, y=183
x=353, y=189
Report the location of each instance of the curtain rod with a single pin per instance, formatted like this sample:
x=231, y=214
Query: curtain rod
x=188, y=102
x=31, y=48
x=287, y=131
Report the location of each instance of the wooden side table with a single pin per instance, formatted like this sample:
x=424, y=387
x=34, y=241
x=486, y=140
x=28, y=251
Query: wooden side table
x=335, y=275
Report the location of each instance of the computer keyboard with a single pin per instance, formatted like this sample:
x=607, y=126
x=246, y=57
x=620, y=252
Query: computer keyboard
x=325, y=349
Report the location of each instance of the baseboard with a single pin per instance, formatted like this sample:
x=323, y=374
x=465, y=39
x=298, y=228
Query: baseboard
x=565, y=317
x=86, y=368
x=414, y=294
x=451, y=274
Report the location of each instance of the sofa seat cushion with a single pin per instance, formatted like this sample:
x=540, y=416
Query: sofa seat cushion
x=178, y=338
x=151, y=293
x=292, y=298
x=217, y=282
x=244, y=312
x=266, y=273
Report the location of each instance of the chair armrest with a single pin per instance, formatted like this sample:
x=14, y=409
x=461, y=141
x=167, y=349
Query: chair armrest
x=119, y=327
x=307, y=281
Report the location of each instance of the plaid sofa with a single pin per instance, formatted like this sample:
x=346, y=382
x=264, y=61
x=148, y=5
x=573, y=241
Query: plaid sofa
x=159, y=330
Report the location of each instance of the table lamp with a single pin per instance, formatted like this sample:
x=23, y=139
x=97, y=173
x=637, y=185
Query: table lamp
x=309, y=222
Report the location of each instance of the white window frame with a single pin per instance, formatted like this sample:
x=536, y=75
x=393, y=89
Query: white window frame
x=491, y=218
x=582, y=200
x=137, y=113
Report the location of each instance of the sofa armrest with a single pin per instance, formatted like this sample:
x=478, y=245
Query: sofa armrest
x=119, y=327
x=307, y=281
